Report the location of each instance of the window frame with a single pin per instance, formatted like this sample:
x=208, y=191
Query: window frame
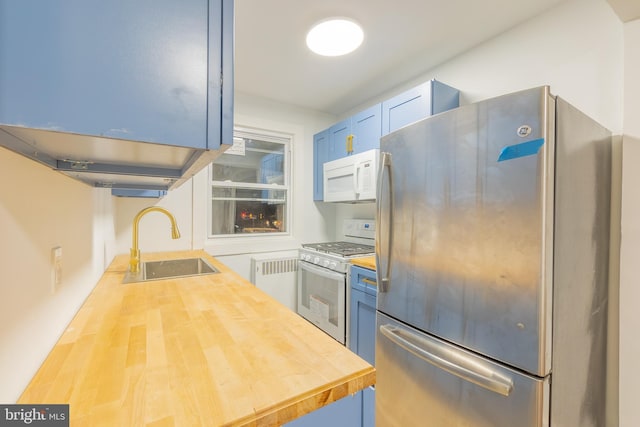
x=268, y=136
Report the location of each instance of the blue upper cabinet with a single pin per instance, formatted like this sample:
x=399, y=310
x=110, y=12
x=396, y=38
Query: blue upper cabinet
x=131, y=70
x=415, y=104
x=320, y=156
x=366, y=128
x=339, y=136
x=151, y=71
x=356, y=134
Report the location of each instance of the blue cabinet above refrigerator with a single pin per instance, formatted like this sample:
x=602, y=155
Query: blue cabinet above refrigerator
x=417, y=103
x=129, y=95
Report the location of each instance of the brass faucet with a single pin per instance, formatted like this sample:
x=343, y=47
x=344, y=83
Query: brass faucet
x=134, y=260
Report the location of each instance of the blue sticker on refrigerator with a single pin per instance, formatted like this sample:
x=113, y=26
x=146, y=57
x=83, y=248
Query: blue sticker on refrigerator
x=523, y=149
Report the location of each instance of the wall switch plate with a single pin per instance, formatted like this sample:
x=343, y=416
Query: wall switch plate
x=56, y=268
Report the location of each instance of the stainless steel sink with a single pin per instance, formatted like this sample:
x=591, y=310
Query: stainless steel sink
x=156, y=270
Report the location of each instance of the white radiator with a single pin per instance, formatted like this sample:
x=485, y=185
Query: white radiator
x=276, y=274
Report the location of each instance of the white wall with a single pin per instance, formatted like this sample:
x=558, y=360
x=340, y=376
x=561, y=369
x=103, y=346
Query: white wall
x=630, y=239
x=41, y=209
x=155, y=227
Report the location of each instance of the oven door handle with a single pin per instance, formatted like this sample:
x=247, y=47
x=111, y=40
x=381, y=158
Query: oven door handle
x=321, y=271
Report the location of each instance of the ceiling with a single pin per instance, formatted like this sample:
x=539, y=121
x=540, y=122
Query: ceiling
x=403, y=40
x=627, y=10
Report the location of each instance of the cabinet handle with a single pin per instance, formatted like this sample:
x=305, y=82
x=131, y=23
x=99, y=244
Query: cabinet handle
x=350, y=144
x=369, y=281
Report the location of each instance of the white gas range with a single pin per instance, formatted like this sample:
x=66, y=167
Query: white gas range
x=323, y=277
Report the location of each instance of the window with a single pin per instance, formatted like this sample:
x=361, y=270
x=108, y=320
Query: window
x=250, y=185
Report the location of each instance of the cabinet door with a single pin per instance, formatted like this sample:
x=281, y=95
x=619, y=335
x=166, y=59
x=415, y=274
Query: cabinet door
x=220, y=73
x=415, y=104
x=366, y=127
x=406, y=108
x=320, y=156
x=362, y=326
x=338, y=139
x=363, y=330
x=135, y=70
x=369, y=407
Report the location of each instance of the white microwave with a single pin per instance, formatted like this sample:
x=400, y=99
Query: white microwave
x=352, y=178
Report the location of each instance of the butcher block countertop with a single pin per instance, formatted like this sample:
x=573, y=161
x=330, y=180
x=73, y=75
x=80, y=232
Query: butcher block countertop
x=365, y=262
x=196, y=351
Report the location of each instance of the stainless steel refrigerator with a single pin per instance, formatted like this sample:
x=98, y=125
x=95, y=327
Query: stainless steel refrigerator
x=492, y=258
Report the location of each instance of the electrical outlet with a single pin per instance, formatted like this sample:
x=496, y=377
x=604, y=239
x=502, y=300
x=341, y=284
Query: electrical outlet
x=56, y=268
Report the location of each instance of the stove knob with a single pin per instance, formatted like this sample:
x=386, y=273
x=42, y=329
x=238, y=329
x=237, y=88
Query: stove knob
x=326, y=263
x=333, y=265
x=316, y=260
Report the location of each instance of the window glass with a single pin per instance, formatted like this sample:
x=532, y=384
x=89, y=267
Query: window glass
x=249, y=186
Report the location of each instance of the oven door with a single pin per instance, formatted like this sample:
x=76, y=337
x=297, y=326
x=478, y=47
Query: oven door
x=321, y=298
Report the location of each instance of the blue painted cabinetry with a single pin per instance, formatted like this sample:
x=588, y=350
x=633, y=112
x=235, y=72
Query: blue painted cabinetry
x=417, y=103
x=338, y=137
x=123, y=69
x=363, y=330
x=79, y=78
x=363, y=313
x=356, y=134
x=366, y=128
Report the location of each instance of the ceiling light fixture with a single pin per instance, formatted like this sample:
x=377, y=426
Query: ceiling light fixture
x=335, y=37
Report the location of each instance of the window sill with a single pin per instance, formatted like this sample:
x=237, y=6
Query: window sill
x=239, y=245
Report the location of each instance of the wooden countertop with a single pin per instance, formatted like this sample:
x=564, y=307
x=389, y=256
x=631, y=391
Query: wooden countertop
x=211, y=350
x=365, y=262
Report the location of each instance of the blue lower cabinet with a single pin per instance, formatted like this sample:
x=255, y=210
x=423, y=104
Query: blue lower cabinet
x=362, y=329
x=363, y=325
x=346, y=412
x=368, y=407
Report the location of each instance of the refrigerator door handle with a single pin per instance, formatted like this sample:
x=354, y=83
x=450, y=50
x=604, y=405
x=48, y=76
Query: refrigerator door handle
x=453, y=361
x=383, y=276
